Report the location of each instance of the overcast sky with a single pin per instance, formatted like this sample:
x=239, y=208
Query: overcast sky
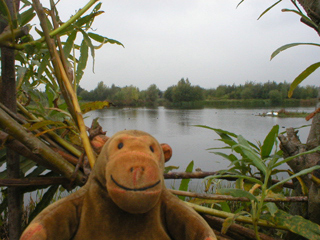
x=211, y=42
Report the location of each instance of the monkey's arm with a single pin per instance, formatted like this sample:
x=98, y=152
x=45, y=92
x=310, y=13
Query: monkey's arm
x=58, y=221
x=183, y=222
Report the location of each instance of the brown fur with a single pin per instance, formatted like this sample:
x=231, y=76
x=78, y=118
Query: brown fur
x=124, y=198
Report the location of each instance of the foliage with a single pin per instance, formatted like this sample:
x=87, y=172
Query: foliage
x=126, y=96
x=296, y=224
x=252, y=90
x=184, y=185
x=152, y=93
x=253, y=165
x=50, y=127
x=275, y=97
x=276, y=92
x=184, y=92
x=309, y=22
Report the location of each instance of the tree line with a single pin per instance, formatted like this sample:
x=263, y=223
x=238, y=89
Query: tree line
x=184, y=91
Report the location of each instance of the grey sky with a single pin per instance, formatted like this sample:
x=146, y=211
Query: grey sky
x=209, y=42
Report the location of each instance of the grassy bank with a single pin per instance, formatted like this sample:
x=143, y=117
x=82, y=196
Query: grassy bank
x=242, y=103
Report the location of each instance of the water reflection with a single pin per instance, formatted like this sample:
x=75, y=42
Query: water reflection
x=176, y=127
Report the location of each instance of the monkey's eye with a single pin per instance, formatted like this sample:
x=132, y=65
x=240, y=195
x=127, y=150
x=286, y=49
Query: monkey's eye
x=120, y=145
x=151, y=148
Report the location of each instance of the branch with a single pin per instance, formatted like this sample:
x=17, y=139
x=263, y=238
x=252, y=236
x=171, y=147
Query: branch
x=21, y=149
x=186, y=175
x=240, y=199
x=216, y=223
x=39, y=148
x=69, y=147
x=217, y=213
x=6, y=36
x=38, y=181
x=65, y=85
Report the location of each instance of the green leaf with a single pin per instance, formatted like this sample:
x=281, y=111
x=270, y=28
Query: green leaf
x=240, y=3
x=295, y=224
x=170, y=168
x=4, y=201
x=229, y=142
x=272, y=207
x=222, y=133
x=184, y=185
x=97, y=7
x=243, y=141
x=26, y=2
x=225, y=207
x=230, y=157
x=237, y=193
x=225, y=135
x=69, y=43
x=44, y=123
x=36, y=172
x=269, y=142
x=251, y=155
x=235, y=176
x=88, y=19
x=284, y=47
x=90, y=106
x=26, y=16
x=50, y=96
x=82, y=60
x=305, y=18
x=295, y=156
x=3, y=8
x=45, y=201
x=89, y=43
x=303, y=172
x=302, y=76
x=265, y=11
x=226, y=224
x=26, y=165
x=44, y=64
x=102, y=39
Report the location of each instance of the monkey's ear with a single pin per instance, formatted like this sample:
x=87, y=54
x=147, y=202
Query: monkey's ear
x=167, y=150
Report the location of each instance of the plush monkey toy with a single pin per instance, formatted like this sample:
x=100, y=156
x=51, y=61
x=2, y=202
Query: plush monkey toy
x=125, y=198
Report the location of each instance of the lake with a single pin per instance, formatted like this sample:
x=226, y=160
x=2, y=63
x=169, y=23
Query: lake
x=176, y=127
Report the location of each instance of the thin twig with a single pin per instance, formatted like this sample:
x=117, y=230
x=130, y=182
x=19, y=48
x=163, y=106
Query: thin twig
x=38, y=181
x=38, y=147
x=223, y=214
x=216, y=223
x=186, y=175
x=240, y=199
x=65, y=85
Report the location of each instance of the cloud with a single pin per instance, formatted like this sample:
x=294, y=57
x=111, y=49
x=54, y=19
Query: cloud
x=209, y=42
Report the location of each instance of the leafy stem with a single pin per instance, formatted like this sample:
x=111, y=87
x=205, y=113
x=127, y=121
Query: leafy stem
x=60, y=29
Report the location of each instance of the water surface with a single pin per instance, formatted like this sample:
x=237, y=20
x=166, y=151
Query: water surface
x=177, y=128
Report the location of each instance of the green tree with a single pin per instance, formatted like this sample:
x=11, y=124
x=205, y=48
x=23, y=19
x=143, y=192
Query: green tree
x=128, y=96
x=221, y=91
x=168, y=94
x=100, y=92
x=275, y=97
x=113, y=91
x=152, y=94
x=185, y=92
x=247, y=93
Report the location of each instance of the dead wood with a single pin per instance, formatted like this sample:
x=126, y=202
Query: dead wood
x=235, y=230
x=39, y=148
x=200, y=174
x=240, y=199
x=38, y=181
